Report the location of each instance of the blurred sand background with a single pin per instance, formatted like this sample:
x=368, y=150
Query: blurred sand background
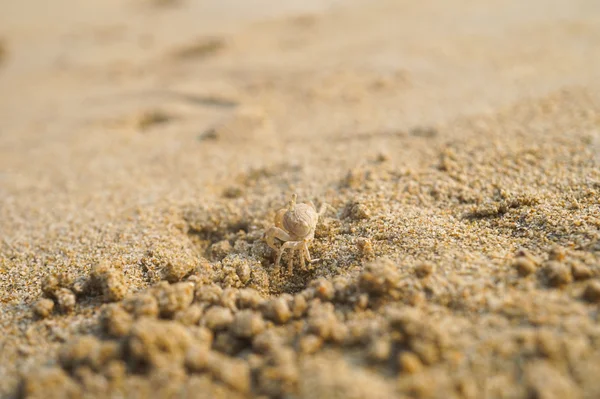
x=457, y=141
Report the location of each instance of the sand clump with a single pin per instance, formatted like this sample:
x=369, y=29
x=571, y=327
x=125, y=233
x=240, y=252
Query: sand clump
x=50, y=382
x=65, y=289
x=247, y=324
x=557, y=274
x=163, y=262
x=172, y=298
x=201, y=329
x=524, y=266
x=116, y=321
x=108, y=280
x=56, y=288
x=218, y=318
x=43, y=307
x=592, y=292
x=277, y=310
x=142, y=304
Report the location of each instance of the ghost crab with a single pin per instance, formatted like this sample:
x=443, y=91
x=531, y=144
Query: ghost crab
x=295, y=226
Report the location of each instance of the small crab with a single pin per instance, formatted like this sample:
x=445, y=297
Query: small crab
x=295, y=226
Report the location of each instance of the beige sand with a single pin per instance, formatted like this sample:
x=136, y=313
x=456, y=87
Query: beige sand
x=457, y=141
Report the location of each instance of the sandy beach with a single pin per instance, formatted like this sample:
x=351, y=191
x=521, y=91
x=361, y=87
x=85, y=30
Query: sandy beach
x=146, y=146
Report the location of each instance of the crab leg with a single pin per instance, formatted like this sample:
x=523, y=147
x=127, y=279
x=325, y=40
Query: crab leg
x=286, y=245
x=307, y=254
x=324, y=207
x=275, y=232
x=301, y=247
x=291, y=260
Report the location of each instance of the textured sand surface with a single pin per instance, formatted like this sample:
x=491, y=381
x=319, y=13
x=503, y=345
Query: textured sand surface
x=146, y=145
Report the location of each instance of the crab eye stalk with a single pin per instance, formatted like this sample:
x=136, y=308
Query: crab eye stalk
x=292, y=203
